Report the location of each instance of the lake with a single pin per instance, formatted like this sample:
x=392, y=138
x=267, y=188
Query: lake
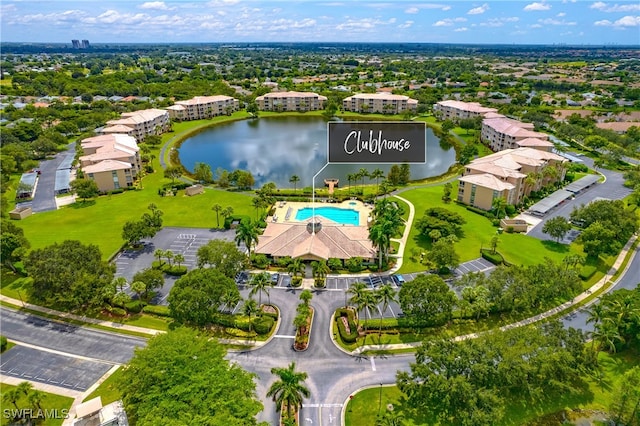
x=275, y=148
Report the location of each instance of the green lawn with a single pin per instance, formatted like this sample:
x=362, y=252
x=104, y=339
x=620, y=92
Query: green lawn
x=361, y=410
x=476, y=233
x=50, y=402
x=107, y=390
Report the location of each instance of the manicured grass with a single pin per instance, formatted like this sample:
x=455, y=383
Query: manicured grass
x=9, y=346
x=476, y=233
x=107, y=391
x=49, y=402
x=361, y=410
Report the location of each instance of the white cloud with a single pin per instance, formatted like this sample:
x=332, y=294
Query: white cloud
x=218, y=3
x=155, y=5
x=412, y=10
x=624, y=22
x=552, y=21
x=498, y=22
x=478, y=10
x=461, y=29
x=417, y=7
x=536, y=6
x=448, y=22
x=561, y=14
x=604, y=7
x=536, y=26
x=406, y=24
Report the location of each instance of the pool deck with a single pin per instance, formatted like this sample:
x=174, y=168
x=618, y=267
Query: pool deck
x=285, y=211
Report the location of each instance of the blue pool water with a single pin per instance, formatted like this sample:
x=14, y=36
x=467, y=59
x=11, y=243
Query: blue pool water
x=344, y=216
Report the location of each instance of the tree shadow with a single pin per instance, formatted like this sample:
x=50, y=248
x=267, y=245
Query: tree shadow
x=82, y=204
x=555, y=247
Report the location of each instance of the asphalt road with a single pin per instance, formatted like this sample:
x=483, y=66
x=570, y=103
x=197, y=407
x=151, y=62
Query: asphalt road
x=44, y=198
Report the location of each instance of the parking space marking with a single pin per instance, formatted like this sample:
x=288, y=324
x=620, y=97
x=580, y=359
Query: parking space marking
x=373, y=363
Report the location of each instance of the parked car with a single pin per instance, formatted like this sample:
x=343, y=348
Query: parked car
x=275, y=277
x=398, y=279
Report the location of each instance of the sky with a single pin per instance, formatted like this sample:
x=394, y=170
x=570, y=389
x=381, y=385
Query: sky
x=182, y=21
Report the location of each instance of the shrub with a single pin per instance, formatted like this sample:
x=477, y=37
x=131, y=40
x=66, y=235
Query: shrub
x=319, y=283
x=134, y=306
x=175, y=270
x=3, y=343
x=354, y=264
x=159, y=310
x=263, y=325
x=273, y=315
x=587, y=272
x=119, y=312
x=352, y=335
x=495, y=258
x=296, y=282
x=510, y=209
x=334, y=263
x=260, y=260
x=235, y=332
x=226, y=320
x=479, y=211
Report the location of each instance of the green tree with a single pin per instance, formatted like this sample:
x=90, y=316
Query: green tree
x=446, y=192
x=197, y=296
x=217, y=208
x=376, y=174
x=447, y=126
x=295, y=267
x=362, y=174
x=202, y=173
x=557, y=227
x=13, y=244
x=260, y=283
x=357, y=292
x=385, y=294
x=84, y=188
x=443, y=254
x=498, y=205
x=138, y=287
x=427, y=300
x=289, y=390
x=227, y=212
x=306, y=297
x=153, y=279
x=182, y=378
x=69, y=275
x=173, y=173
x=294, y=179
x=247, y=233
x=320, y=268
x=223, y=256
x=250, y=309
x=625, y=406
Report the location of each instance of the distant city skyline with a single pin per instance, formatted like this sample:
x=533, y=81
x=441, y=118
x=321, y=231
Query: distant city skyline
x=573, y=22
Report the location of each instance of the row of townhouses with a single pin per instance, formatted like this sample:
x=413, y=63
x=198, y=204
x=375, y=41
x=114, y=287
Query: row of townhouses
x=523, y=160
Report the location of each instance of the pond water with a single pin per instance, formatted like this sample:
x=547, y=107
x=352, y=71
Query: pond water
x=274, y=149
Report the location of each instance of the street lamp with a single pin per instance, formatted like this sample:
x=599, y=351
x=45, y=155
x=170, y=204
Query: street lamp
x=380, y=399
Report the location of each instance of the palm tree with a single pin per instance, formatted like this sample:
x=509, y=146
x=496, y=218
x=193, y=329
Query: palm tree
x=121, y=282
x=390, y=418
x=250, y=309
x=289, y=389
x=363, y=173
x=295, y=267
x=294, y=179
x=159, y=253
x=24, y=388
x=261, y=283
x=35, y=398
x=247, y=233
x=179, y=259
x=499, y=205
x=138, y=287
x=320, y=268
x=217, y=208
x=357, y=292
x=385, y=294
x=376, y=174
x=258, y=203
x=12, y=395
x=351, y=177
x=379, y=239
x=369, y=301
x=230, y=299
x=170, y=256
x=306, y=297
x=226, y=212
x=607, y=334
x=120, y=299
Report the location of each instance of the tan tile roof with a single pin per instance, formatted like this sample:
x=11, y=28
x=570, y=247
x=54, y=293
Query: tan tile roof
x=292, y=95
x=533, y=142
x=197, y=100
x=106, y=166
x=293, y=239
x=618, y=126
x=387, y=96
x=487, y=180
x=467, y=106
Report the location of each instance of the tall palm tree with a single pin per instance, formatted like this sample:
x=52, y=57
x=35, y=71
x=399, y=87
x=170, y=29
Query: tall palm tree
x=320, y=268
x=258, y=204
x=226, y=212
x=12, y=396
x=294, y=179
x=169, y=255
x=607, y=335
x=379, y=238
x=363, y=173
x=376, y=174
x=24, y=388
x=369, y=301
x=121, y=282
x=217, y=208
x=260, y=284
x=289, y=390
x=295, y=267
x=499, y=205
x=306, y=297
x=159, y=253
x=247, y=233
x=179, y=259
x=250, y=308
x=357, y=291
x=35, y=398
x=351, y=177
x=386, y=294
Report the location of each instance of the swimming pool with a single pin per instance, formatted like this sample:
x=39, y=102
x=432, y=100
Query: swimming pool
x=344, y=216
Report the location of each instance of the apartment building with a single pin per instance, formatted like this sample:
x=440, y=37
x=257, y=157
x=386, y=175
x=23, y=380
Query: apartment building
x=291, y=101
x=500, y=132
x=385, y=103
x=202, y=107
x=511, y=174
x=139, y=124
x=458, y=110
x=112, y=160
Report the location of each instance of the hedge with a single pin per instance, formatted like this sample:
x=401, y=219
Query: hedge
x=159, y=310
x=263, y=325
x=495, y=258
x=134, y=306
x=587, y=271
x=346, y=337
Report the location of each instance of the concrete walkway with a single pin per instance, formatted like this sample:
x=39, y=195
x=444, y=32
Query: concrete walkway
x=405, y=235
x=536, y=318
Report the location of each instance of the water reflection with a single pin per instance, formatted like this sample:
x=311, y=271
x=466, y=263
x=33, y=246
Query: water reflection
x=274, y=149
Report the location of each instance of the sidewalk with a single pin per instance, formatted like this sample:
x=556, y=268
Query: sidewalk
x=558, y=309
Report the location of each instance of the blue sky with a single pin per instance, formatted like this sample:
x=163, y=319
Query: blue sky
x=511, y=22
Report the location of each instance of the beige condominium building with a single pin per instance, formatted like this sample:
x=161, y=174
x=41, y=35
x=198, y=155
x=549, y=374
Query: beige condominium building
x=291, y=101
x=510, y=174
x=458, y=110
x=201, y=107
x=500, y=132
x=112, y=160
x=385, y=103
x=139, y=124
